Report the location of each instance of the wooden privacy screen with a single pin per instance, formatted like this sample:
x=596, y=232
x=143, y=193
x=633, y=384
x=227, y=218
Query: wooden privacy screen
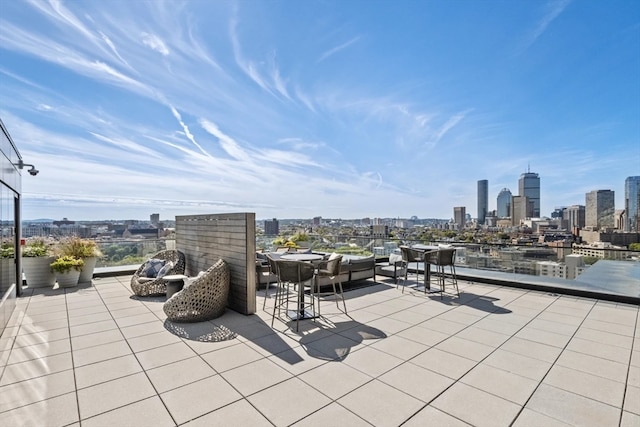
x=206, y=238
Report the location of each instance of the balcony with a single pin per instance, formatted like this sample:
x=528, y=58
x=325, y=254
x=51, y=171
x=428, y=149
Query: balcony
x=496, y=356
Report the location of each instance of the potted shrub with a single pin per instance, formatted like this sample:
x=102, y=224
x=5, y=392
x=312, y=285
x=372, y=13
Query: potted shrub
x=85, y=249
x=36, y=260
x=67, y=270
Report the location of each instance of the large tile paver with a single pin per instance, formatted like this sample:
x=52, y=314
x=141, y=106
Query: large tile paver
x=587, y=385
x=256, y=376
x=572, y=408
x=506, y=385
x=335, y=379
x=239, y=413
x=57, y=411
x=113, y=394
x=430, y=416
x=288, y=402
x=146, y=413
x=36, y=390
x=106, y=370
x=381, y=404
x=416, y=381
x=35, y=368
x=332, y=415
x=187, y=402
x=180, y=373
x=570, y=359
x=476, y=407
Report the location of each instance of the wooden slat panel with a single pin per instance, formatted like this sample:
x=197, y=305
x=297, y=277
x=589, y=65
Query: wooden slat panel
x=206, y=238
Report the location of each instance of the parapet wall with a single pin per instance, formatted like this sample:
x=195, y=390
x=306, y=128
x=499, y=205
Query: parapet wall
x=206, y=238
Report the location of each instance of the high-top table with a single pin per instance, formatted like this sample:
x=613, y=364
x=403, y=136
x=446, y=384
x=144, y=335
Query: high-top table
x=301, y=313
x=427, y=267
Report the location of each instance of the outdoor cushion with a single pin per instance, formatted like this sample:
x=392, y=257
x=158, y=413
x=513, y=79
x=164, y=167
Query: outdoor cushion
x=166, y=268
x=152, y=267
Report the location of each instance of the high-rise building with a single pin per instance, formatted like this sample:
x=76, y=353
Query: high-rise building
x=574, y=215
x=599, y=209
x=529, y=186
x=154, y=218
x=459, y=216
x=271, y=227
x=632, y=203
x=483, y=200
x=504, y=203
x=520, y=206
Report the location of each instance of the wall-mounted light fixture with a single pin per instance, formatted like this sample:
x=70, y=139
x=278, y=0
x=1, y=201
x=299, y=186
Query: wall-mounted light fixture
x=33, y=171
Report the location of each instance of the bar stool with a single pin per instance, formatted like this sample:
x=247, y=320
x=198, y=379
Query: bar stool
x=441, y=259
x=294, y=273
x=410, y=255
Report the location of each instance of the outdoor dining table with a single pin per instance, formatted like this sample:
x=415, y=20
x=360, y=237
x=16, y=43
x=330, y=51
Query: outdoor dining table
x=301, y=313
x=427, y=267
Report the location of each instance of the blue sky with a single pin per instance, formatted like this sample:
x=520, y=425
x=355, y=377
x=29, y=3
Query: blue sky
x=339, y=109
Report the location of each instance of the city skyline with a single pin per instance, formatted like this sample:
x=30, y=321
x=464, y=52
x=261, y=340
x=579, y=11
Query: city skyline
x=333, y=109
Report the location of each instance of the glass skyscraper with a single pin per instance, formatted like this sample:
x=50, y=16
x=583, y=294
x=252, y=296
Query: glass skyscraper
x=529, y=186
x=632, y=203
x=504, y=203
x=600, y=209
x=483, y=200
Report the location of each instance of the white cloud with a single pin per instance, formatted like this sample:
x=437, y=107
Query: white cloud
x=154, y=43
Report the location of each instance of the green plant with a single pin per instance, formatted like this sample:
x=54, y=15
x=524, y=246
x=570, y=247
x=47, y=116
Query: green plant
x=36, y=248
x=7, y=251
x=65, y=263
x=79, y=248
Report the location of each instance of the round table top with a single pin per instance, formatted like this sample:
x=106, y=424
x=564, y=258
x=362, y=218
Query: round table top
x=175, y=277
x=302, y=257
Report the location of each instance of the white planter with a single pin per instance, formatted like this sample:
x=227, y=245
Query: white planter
x=87, y=269
x=68, y=279
x=37, y=271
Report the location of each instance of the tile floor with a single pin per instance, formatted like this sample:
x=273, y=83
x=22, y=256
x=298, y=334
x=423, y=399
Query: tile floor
x=95, y=356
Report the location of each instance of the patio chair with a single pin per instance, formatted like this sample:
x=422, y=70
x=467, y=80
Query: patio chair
x=202, y=298
x=331, y=269
x=294, y=273
x=143, y=286
x=441, y=259
x=273, y=270
x=410, y=255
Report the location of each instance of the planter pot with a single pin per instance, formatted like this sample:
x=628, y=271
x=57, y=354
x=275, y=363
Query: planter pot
x=37, y=271
x=87, y=269
x=68, y=279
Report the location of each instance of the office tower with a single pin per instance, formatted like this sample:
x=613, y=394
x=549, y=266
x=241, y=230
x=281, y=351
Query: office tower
x=504, y=203
x=483, y=200
x=154, y=219
x=520, y=206
x=599, y=210
x=574, y=215
x=459, y=215
x=317, y=220
x=529, y=186
x=271, y=227
x=632, y=203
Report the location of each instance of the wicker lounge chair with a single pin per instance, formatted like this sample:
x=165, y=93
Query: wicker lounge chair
x=204, y=298
x=146, y=286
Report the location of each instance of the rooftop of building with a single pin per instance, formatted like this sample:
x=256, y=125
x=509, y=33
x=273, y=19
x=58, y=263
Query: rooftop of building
x=98, y=356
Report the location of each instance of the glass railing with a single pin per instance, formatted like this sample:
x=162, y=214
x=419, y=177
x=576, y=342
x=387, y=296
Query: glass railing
x=581, y=268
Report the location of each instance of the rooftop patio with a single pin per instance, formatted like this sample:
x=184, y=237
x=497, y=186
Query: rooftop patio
x=496, y=356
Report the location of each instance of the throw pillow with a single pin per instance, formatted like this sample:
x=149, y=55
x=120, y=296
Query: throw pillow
x=165, y=269
x=152, y=267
